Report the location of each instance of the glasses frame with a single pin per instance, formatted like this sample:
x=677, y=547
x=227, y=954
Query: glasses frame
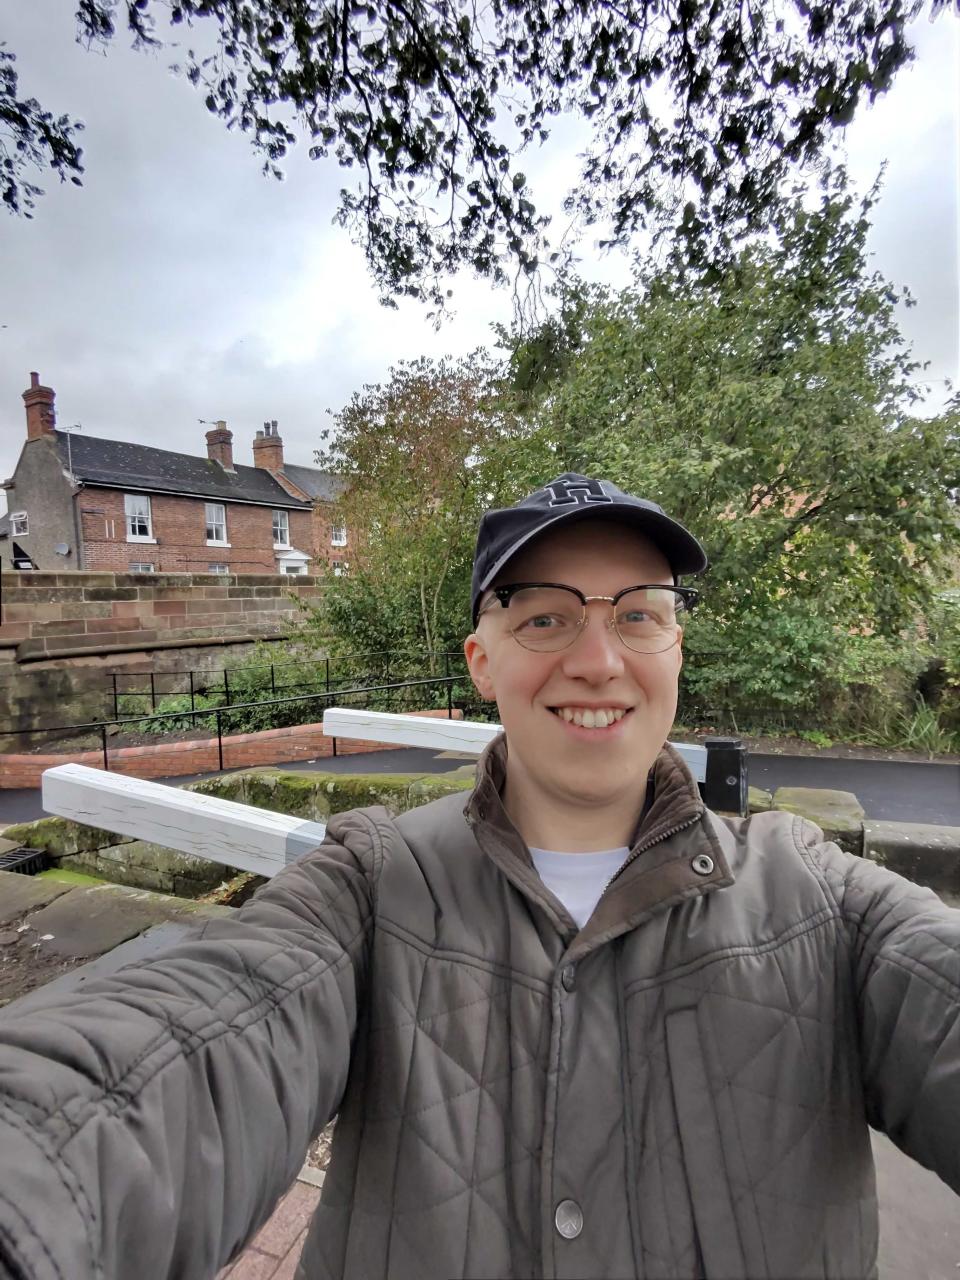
x=503, y=595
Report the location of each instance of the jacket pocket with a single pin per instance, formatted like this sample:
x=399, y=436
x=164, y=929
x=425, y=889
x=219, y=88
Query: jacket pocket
x=706, y=1172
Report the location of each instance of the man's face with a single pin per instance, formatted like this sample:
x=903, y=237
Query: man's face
x=556, y=757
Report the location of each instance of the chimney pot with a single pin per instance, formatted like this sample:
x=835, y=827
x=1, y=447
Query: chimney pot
x=34, y=379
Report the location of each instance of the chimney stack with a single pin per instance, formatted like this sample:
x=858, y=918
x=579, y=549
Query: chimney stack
x=268, y=448
x=41, y=415
x=220, y=446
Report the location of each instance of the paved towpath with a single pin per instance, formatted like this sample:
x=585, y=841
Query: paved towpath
x=889, y=790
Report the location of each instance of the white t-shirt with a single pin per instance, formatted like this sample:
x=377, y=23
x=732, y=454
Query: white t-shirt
x=578, y=879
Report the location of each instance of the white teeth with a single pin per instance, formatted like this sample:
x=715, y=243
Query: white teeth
x=590, y=718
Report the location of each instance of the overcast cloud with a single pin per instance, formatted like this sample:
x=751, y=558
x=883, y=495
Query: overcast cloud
x=178, y=283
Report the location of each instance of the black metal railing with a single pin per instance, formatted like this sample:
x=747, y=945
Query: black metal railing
x=219, y=714
x=724, y=788
x=196, y=683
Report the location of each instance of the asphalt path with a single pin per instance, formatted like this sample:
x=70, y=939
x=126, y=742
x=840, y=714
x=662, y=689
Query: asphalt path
x=888, y=790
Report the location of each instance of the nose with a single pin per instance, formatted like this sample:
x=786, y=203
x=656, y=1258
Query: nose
x=597, y=653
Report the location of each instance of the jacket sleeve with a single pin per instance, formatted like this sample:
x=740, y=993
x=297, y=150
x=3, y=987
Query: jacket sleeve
x=149, y=1124
x=906, y=958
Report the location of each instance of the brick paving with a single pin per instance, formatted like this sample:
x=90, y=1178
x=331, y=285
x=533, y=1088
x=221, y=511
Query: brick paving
x=274, y=1252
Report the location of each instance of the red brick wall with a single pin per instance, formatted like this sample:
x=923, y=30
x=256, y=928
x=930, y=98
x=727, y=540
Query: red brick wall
x=320, y=538
x=176, y=759
x=179, y=527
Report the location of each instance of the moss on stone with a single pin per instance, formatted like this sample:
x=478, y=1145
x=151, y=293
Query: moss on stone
x=433, y=786
x=838, y=814
x=63, y=875
x=758, y=800
x=60, y=837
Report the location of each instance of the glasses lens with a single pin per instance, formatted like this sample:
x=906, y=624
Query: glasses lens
x=545, y=618
x=647, y=619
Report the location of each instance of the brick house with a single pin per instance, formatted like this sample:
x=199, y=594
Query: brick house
x=79, y=502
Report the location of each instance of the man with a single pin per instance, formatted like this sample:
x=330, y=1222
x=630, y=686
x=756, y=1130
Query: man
x=577, y=1027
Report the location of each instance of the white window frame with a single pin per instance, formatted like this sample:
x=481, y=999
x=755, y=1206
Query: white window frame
x=218, y=567
x=338, y=567
x=212, y=522
x=132, y=509
x=142, y=566
x=19, y=524
x=338, y=535
x=281, y=521
x=293, y=570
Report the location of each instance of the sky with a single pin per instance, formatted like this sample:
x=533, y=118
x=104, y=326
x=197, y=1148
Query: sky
x=178, y=283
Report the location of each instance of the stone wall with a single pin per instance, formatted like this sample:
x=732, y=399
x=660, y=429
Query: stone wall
x=60, y=615
x=80, y=689
x=61, y=633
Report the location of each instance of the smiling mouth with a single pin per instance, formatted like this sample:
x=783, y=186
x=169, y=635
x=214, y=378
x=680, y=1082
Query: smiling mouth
x=591, y=717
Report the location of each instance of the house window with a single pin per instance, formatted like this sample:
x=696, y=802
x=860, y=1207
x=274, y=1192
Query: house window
x=20, y=525
x=338, y=535
x=141, y=566
x=281, y=529
x=216, y=516
x=337, y=566
x=293, y=568
x=139, y=524
x=220, y=567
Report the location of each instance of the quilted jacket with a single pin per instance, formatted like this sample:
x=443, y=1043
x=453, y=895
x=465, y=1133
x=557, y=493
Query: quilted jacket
x=680, y=1089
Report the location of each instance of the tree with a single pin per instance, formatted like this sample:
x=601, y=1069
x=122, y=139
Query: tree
x=423, y=458
x=698, y=108
x=768, y=407
x=31, y=137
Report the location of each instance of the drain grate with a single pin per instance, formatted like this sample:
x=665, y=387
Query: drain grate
x=26, y=862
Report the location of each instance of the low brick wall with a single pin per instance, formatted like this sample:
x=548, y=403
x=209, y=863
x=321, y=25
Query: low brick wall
x=176, y=759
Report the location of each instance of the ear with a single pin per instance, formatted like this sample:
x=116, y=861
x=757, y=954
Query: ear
x=478, y=664
x=680, y=652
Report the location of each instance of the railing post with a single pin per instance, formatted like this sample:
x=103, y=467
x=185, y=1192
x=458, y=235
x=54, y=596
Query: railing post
x=327, y=678
x=193, y=704
x=219, y=741
x=116, y=699
x=273, y=681
x=226, y=686
x=449, y=699
x=103, y=738
x=153, y=692
x=725, y=786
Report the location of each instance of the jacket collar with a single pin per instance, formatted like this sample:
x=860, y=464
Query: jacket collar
x=674, y=833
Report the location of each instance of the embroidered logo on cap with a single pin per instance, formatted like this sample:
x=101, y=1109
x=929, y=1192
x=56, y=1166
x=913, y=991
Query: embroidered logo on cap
x=566, y=493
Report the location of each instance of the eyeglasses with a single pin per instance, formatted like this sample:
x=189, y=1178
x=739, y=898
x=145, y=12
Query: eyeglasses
x=548, y=616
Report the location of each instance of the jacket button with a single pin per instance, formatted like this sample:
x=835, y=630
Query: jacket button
x=702, y=864
x=569, y=977
x=569, y=1219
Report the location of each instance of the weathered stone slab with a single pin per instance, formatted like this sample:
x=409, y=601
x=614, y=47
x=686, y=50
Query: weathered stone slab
x=758, y=800
x=19, y=895
x=145, y=946
x=926, y=854
x=87, y=922
x=839, y=814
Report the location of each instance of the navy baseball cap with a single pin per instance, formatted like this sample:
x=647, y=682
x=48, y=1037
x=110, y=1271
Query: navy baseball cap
x=572, y=497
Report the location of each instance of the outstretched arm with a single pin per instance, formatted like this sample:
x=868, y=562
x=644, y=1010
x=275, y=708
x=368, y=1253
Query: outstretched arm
x=149, y=1124
x=906, y=950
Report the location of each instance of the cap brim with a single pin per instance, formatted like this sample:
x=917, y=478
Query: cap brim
x=681, y=549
